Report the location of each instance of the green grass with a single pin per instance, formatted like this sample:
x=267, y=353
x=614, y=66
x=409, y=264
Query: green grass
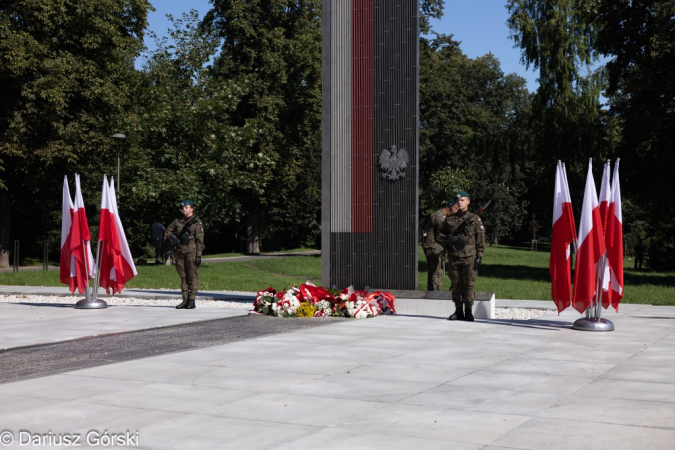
x=235, y=276
x=227, y=255
x=509, y=272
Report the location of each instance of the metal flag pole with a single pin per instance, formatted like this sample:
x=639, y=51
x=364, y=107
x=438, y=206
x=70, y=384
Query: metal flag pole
x=95, y=303
x=88, y=303
x=97, y=276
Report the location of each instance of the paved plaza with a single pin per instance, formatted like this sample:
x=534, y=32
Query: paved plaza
x=391, y=382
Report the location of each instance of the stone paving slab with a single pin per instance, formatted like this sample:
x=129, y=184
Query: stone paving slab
x=387, y=382
x=38, y=323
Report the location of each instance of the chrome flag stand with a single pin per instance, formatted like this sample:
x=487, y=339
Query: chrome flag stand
x=592, y=321
x=92, y=301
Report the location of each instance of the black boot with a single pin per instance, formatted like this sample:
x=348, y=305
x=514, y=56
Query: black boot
x=458, y=314
x=468, y=315
x=183, y=304
x=191, y=304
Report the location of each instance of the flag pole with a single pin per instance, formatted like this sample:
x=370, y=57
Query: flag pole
x=592, y=321
x=87, y=303
x=98, y=270
x=87, y=297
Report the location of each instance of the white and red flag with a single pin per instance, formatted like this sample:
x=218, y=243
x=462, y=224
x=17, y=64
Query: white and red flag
x=67, y=274
x=591, y=247
x=605, y=192
x=564, y=232
x=80, y=246
x=614, y=244
x=117, y=265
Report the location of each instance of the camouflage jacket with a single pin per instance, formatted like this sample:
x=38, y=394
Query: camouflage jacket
x=432, y=238
x=192, y=239
x=473, y=235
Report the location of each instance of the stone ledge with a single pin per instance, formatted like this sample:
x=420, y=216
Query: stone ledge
x=439, y=303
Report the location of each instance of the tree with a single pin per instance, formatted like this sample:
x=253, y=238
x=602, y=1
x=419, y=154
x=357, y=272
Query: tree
x=638, y=36
x=274, y=46
x=65, y=71
x=182, y=142
x=557, y=37
x=473, y=129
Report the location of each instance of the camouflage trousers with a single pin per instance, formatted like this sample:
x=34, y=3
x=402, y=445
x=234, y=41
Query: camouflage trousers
x=187, y=270
x=435, y=269
x=463, y=279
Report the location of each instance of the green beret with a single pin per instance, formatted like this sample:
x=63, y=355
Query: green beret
x=450, y=203
x=187, y=202
x=461, y=194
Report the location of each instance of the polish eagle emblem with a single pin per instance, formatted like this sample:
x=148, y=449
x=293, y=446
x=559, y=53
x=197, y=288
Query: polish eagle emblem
x=394, y=163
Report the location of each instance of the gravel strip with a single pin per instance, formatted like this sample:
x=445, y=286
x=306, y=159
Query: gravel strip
x=520, y=313
x=70, y=299
x=500, y=313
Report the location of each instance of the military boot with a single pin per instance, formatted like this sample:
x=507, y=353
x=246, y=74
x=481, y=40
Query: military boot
x=191, y=304
x=184, y=303
x=458, y=314
x=468, y=315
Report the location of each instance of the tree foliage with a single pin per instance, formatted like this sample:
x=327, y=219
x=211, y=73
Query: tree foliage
x=639, y=37
x=182, y=142
x=473, y=133
x=65, y=70
x=274, y=46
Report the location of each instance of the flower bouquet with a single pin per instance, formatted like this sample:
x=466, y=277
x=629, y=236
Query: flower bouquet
x=315, y=301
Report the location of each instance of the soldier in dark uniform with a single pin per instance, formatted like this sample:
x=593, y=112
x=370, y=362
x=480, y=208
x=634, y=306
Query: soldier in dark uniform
x=187, y=235
x=434, y=246
x=466, y=238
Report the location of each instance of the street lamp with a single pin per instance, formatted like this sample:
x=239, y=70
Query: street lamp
x=119, y=137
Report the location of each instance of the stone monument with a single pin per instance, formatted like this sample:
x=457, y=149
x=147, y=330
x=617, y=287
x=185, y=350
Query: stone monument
x=370, y=143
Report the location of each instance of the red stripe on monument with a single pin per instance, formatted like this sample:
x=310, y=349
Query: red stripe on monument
x=362, y=116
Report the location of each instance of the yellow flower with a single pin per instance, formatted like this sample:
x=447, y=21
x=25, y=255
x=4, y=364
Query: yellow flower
x=305, y=310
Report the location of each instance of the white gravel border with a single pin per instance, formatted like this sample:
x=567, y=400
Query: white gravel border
x=520, y=313
x=129, y=301
x=500, y=313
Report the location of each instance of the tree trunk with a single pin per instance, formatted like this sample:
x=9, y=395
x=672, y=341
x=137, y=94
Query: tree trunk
x=253, y=243
x=5, y=216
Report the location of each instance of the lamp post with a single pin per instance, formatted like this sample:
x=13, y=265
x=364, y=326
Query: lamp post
x=119, y=137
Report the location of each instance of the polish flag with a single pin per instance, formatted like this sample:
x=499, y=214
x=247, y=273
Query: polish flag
x=564, y=232
x=67, y=273
x=83, y=265
x=591, y=247
x=614, y=243
x=605, y=192
x=117, y=265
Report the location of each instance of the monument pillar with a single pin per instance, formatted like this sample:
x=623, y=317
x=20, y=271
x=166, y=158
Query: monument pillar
x=370, y=143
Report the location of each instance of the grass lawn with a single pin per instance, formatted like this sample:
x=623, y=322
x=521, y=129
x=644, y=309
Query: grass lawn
x=509, y=272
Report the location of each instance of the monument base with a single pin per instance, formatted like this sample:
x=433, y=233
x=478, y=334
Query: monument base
x=440, y=304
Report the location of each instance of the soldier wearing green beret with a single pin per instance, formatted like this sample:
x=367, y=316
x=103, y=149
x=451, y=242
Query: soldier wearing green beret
x=466, y=241
x=434, y=247
x=187, y=236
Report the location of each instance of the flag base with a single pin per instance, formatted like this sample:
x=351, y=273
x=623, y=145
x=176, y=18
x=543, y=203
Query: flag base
x=593, y=324
x=91, y=304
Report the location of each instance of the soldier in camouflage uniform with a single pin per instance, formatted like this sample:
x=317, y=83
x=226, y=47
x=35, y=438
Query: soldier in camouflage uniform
x=466, y=238
x=187, y=235
x=434, y=246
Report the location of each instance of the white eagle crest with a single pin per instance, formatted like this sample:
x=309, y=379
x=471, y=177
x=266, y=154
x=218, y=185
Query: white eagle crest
x=394, y=162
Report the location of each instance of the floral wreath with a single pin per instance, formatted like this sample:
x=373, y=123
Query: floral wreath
x=315, y=301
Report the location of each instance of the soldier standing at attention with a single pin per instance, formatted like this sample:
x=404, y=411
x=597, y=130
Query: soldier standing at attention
x=434, y=246
x=466, y=239
x=187, y=235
